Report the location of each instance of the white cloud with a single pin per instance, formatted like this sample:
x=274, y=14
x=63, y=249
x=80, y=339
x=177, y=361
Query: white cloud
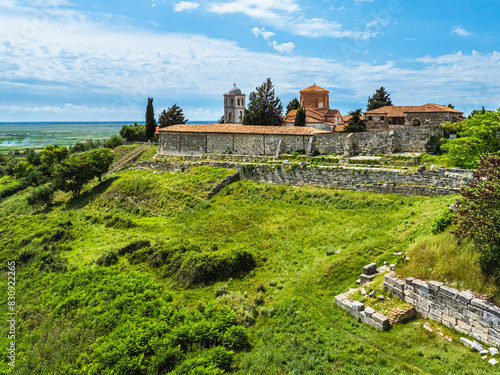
x=72, y=55
x=284, y=47
x=287, y=15
x=186, y=6
x=265, y=34
x=459, y=30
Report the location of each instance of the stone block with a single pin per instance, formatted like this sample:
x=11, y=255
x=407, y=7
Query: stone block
x=358, y=306
x=466, y=341
x=491, y=317
x=479, y=334
x=381, y=319
x=494, y=340
x=456, y=314
x=476, y=347
x=493, y=361
x=417, y=285
x=369, y=312
x=447, y=293
x=464, y=326
x=435, y=317
x=409, y=280
x=370, y=269
x=340, y=298
x=366, y=278
x=460, y=330
x=434, y=287
x=464, y=297
x=452, y=322
x=493, y=351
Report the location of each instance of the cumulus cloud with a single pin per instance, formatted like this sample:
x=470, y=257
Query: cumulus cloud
x=459, y=30
x=265, y=34
x=74, y=56
x=287, y=15
x=186, y=6
x=282, y=48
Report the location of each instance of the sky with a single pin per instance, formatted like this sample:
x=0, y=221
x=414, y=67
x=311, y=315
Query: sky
x=63, y=60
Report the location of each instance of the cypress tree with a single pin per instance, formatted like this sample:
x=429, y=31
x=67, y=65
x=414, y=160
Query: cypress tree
x=300, y=117
x=150, y=120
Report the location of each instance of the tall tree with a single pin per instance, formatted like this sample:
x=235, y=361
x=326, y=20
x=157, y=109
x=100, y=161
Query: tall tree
x=173, y=116
x=379, y=99
x=300, y=117
x=355, y=123
x=150, y=120
x=294, y=104
x=264, y=107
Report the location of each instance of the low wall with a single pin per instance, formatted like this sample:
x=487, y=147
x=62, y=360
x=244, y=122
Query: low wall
x=458, y=310
x=410, y=139
x=427, y=183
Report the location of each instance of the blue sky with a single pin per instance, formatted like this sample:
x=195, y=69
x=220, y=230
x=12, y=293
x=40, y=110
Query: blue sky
x=100, y=60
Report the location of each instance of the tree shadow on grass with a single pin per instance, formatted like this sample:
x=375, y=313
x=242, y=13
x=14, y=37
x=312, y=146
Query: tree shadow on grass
x=90, y=195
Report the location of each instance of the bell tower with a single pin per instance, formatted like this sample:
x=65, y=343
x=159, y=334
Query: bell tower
x=234, y=106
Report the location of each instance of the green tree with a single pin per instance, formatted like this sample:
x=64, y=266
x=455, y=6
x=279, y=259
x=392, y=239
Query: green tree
x=264, y=107
x=43, y=194
x=78, y=147
x=54, y=154
x=136, y=132
x=379, y=99
x=479, y=135
x=294, y=104
x=481, y=111
x=355, y=123
x=300, y=117
x=150, y=120
x=173, y=116
x=477, y=213
x=113, y=142
x=100, y=161
x=74, y=172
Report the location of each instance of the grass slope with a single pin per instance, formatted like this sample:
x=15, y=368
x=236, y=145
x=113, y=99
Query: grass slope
x=286, y=301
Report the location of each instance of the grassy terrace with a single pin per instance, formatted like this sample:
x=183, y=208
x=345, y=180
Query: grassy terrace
x=285, y=299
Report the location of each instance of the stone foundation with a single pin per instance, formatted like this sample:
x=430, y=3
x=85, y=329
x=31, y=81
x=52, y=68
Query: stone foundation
x=459, y=310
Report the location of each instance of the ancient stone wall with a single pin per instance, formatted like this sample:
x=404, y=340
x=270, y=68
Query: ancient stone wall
x=406, y=139
x=458, y=310
x=426, y=183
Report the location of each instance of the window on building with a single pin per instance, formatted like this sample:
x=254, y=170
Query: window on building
x=240, y=115
x=227, y=101
x=370, y=118
x=382, y=118
x=320, y=105
x=232, y=101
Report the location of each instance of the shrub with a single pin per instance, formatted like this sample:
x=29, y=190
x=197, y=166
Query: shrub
x=134, y=246
x=442, y=222
x=206, y=267
x=108, y=259
x=113, y=142
x=42, y=195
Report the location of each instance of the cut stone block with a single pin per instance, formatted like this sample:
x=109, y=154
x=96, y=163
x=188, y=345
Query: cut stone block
x=466, y=341
x=476, y=347
x=366, y=278
x=358, y=306
x=484, y=352
x=493, y=361
x=493, y=351
x=370, y=269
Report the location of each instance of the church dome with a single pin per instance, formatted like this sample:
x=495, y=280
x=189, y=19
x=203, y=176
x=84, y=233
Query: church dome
x=234, y=91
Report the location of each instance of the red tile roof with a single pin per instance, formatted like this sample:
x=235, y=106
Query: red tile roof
x=243, y=129
x=314, y=88
x=399, y=111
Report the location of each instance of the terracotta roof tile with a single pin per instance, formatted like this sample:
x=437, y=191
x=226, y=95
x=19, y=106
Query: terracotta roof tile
x=399, y=111
x=243, y=129
x=314, y=88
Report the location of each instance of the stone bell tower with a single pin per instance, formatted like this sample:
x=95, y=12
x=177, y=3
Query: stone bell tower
x=234, y=106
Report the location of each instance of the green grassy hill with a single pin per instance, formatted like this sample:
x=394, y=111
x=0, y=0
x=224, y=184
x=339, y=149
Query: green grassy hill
x=143, y=275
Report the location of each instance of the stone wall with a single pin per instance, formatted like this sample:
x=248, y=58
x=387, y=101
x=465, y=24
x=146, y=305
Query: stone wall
x=458, y=310
x=428, y=183
x=195, y=143
x=431, y=118
x=408, y=139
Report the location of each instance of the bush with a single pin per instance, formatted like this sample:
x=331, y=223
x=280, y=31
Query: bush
x=134, y=246
x=206, y=267
x=113, y=142
x=442, y=222
x=108, y=259
x=42, y=195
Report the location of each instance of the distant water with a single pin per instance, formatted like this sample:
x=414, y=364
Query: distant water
x=39, y=134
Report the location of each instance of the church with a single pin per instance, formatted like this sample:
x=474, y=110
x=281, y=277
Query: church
x=316, y=102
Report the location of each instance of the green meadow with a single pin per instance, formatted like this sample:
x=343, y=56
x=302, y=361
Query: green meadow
x=144, y=275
